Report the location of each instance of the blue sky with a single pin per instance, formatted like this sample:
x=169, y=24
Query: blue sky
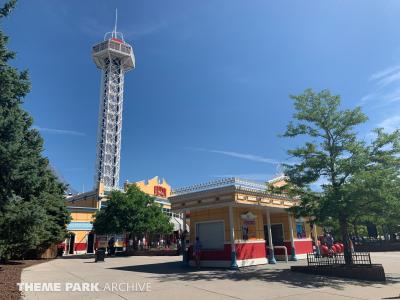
x=209, y=95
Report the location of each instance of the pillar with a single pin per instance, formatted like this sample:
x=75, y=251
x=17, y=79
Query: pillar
x=232, y=237
x=317, y=250
x=184, y=252
x=293, y=250
x=271, y=256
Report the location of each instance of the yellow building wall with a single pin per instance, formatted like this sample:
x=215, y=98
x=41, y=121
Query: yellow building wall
x=148, y=187
x=82, y=216
x=80, y=236
x=307, y=228
x=282, y=218
x=90, y=201
x=166, y=205
x=213, y=214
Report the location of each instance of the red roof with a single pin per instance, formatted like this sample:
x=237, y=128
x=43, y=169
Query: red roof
x=117, y=40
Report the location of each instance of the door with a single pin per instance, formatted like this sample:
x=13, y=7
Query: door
x=90, y=243
x=277, y=234
x=71, y=243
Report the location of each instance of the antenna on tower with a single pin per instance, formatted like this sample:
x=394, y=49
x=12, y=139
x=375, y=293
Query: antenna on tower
x=115, y=24
x=114, y=34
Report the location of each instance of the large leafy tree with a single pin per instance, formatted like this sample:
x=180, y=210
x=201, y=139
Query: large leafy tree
x=358, y=180
x=375, y=190
x=32, y=210
x=132, y=212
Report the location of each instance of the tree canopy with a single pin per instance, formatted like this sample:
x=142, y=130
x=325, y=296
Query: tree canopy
x=132, y=212
x=359, y=180
x=33, y=215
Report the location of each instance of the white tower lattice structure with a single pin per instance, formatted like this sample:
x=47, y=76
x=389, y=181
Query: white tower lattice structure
x=114, y=57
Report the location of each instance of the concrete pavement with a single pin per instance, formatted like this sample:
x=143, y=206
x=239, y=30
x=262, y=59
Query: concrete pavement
x=165, y=278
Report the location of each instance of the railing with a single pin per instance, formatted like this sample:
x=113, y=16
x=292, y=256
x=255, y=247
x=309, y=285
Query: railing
x=358, y=258
x=113, y=45
x=224, y=182
x=285, y=250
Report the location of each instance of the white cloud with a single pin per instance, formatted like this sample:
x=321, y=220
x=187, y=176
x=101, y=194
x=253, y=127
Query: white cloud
x=59, y=131
x=390, y=124
x=385, y=74
x=246, y=156
x=96, y=28
x=145, y=29
x=392, y=96
x=386, y=88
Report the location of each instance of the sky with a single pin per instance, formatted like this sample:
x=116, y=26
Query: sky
x=209, y=96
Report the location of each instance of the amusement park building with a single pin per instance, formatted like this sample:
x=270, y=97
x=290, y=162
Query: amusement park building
x=239, y=223
x=84, y=206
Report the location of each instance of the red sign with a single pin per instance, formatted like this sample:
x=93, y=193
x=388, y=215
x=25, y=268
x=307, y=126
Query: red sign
x=160, y=191
x=117, y=40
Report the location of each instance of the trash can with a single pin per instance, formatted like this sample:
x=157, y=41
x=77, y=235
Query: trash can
x=100, y=255
x=60, y=251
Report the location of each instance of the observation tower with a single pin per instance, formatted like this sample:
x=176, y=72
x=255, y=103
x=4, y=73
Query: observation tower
x=114, y=57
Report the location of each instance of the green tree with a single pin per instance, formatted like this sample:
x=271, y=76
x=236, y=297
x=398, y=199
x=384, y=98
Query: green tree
x=375, y=190
x=32, y=211
x=358, y=179
x=132, y=212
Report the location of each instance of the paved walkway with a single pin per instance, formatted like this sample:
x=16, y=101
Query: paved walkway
x=167, y=279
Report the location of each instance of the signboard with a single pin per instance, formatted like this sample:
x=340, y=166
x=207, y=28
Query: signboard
x=248, y=226
x=160, y=191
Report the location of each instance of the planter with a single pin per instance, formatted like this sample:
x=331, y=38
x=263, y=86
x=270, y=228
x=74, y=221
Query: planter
x=374, y=272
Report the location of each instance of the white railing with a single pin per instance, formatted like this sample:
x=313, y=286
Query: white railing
x=224, y=182
x=285, y=249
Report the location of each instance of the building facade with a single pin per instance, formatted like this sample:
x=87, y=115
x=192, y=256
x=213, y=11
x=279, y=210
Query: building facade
x=239, y=223
x=81, y=238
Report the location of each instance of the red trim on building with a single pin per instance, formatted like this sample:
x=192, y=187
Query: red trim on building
x=250, y=250
x=223, y=254
x=80, y=246
x=302, y=247
x=279, y=251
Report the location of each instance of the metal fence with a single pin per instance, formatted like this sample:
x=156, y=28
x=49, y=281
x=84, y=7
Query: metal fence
x=358, y=258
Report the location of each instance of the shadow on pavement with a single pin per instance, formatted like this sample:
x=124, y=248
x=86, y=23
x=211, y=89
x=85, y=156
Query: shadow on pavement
x=175, y=271
x=77, y=256
x=89, y=256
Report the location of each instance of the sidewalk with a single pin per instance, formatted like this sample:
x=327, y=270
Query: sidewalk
x=168, y=279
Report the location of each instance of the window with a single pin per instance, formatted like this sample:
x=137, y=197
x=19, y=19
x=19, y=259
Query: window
x=211, y=235
x=301, y=231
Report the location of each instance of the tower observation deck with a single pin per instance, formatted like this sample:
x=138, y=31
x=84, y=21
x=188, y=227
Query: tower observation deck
x=114, y=57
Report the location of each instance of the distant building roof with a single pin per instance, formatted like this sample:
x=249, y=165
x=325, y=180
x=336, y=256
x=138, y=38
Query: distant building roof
x=257, y=186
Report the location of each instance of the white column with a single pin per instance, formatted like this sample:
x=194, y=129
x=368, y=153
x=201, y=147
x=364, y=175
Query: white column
x=184, y=253
x=293, y=252
x=271, y=256
x=317, y=250
x=184, y=220
x=232, y=237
